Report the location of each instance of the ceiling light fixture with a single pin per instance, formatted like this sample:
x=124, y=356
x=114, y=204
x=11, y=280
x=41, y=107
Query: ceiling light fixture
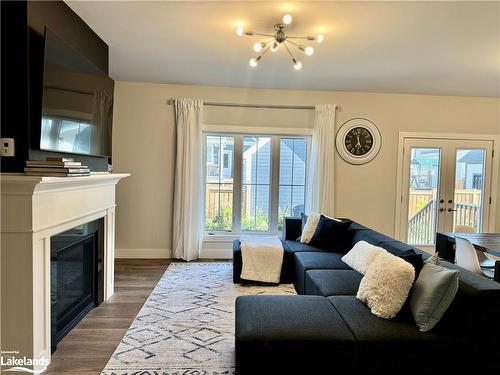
x=280, y=38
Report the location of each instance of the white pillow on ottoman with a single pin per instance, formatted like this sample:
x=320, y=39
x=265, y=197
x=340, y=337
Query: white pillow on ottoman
x=310, y=227
x=386, y=285
x=362, y=255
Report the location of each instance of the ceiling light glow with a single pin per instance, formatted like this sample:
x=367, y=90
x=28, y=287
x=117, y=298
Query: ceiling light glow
x=309, y=51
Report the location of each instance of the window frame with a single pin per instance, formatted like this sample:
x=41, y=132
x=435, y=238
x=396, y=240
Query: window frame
x=238, y=176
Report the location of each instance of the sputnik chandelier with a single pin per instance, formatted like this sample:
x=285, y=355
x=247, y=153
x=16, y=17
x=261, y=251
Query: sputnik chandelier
x=280, y=37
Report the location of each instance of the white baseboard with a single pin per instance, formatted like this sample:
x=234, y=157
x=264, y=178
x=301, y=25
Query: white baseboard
x=143, y=253
x=216, y=253
x=214, y=249
x=210, y=253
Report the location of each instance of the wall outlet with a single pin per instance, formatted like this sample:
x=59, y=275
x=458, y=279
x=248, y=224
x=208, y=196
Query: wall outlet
x=7, y=147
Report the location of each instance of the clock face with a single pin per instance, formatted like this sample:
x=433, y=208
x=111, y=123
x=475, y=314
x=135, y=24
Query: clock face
x=358, y=141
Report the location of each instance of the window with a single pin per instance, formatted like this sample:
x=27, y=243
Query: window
x=256, y=184
x=64, y=134
x=292, y=189
x=263, y=176
x=219, y=184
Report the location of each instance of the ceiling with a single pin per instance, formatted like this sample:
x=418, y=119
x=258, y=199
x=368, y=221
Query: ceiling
x=440, y=48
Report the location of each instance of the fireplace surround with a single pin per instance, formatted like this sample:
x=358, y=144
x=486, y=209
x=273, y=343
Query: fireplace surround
x=34, y=209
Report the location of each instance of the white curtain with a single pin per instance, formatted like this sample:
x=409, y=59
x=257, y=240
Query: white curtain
x=321, y=169
x=188, y=191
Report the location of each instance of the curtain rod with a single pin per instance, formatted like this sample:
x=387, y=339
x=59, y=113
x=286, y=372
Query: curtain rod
x=245, y=105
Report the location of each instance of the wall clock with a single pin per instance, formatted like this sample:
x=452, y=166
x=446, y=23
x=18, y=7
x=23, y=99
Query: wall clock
x=358, y=141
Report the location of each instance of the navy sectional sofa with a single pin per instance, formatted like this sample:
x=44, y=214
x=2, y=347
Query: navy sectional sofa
x=327, y=330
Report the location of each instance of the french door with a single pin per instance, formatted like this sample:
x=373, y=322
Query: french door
x=445, y=183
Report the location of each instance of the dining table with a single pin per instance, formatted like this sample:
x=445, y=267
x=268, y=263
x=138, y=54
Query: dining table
x=486, y=242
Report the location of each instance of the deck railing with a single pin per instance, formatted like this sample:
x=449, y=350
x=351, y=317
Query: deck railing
x=421, y=225
x=468, y=214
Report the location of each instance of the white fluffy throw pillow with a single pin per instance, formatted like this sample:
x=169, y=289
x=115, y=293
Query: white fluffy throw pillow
x=310, y=227
x=386, y=285
x=361, y=256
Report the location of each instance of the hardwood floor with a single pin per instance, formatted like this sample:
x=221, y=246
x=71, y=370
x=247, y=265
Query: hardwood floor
x=88, y=347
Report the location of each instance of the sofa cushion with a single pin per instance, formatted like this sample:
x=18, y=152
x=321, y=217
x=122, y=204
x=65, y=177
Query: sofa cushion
x=287, y=269
x=296, y=246
x=362, y=255
x=309, y=225
x=337, y=247
x=395, y=247
x=330, y=234
x=291, y=334
x=370, y=236
x=432, y=294
x=332, y=282
x=425, y=254
x=396, y=346
x=305, y=261
x=405, y=252
x=386, y=285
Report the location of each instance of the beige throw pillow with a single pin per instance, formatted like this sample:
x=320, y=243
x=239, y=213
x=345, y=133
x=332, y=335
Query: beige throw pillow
x=310, y=227
x=362, y=255
x=386, y=285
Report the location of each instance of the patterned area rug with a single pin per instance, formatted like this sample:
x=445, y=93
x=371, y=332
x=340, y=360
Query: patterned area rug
x=186, y=327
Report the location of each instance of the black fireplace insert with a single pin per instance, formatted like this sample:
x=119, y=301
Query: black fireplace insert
x=77, y=277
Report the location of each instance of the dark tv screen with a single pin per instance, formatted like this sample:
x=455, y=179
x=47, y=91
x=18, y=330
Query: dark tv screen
x=77, y=102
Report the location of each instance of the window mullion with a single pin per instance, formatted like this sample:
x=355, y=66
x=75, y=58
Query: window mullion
x=237, y=182
x=274, y=188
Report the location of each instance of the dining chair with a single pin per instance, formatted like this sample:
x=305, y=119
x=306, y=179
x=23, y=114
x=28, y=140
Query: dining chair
x=484, y=260
x=466, y=257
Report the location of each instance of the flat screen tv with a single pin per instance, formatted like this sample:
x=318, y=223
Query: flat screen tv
x=77, y=102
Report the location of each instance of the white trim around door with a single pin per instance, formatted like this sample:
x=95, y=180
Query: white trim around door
x=492, y=173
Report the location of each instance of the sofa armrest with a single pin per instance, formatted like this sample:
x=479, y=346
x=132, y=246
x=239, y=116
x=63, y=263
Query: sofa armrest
x=292, y=228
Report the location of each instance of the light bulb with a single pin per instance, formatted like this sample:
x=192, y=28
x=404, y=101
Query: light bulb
x=320, y=38
x=297, y=65
x=240, y=31
x=287, y=19
x=257, y=47
x=253, y=63
x=274, y=47
x=309, y=50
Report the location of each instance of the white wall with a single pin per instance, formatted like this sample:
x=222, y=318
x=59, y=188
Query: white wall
x=144, y=145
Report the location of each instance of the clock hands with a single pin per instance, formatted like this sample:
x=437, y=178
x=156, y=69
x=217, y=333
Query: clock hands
x=359, y=143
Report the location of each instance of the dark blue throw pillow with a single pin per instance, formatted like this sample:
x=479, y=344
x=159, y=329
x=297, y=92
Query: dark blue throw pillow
x=414, y=259
x=330, y=234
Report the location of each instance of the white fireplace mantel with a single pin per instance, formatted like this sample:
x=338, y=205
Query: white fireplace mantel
x=32, y=210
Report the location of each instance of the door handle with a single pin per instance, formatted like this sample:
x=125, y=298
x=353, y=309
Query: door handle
x=451, y=209
x=441, y=209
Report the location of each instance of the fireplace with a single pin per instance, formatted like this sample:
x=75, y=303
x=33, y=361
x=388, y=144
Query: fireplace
x=38, y=210
x=77, y=277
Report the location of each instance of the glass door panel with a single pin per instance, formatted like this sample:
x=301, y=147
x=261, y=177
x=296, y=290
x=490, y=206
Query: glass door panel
x=468, y=201
x=445, y=183
x=423, y=192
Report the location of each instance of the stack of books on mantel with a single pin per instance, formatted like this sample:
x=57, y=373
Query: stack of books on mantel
x=56, y=167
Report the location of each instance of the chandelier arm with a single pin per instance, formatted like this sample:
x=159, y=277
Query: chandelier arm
x=265, y=51
x=290, y=53
x=300, y=37
x=263, y=34
x=296, y=45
